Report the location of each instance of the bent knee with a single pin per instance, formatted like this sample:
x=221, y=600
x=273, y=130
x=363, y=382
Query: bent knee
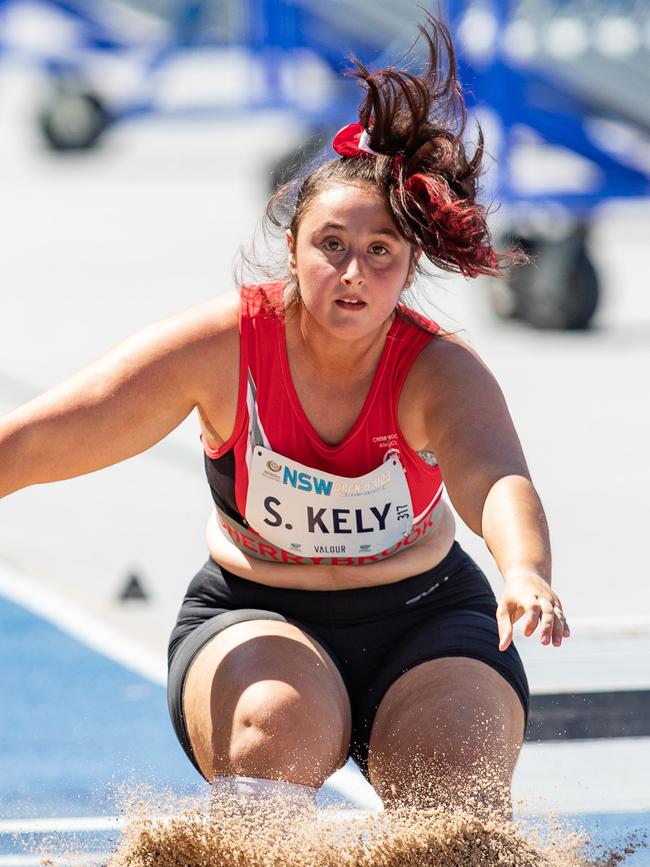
x=266, y=698
x=276, y=727
x=275, y=707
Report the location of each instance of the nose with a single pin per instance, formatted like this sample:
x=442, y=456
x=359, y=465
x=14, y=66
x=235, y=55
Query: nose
x=352, y=275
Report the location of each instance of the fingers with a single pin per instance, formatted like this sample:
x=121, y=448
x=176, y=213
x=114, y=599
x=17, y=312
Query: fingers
x=543, y=612
x=504, y=625
x=553, y=626
x=546, y=622
x=533, y=600
x=533, y=613
x=560, y=626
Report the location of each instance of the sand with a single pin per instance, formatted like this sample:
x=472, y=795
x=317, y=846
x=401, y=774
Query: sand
x=270, y=835
x=221, y=829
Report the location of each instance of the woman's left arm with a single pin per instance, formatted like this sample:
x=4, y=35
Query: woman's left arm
x=472, y=435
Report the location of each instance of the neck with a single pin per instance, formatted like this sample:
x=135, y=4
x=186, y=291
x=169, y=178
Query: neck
x=330, y=356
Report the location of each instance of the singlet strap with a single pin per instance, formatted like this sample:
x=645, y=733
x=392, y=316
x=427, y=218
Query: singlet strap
x=415, y=332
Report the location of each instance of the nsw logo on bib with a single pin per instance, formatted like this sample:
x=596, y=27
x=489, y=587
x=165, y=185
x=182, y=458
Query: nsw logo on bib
x=314, y=513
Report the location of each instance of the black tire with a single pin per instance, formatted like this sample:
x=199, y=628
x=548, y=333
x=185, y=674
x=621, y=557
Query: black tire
x=73, y=118
x=559, y=289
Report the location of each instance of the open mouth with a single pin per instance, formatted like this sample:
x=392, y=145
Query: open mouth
x=350, y=303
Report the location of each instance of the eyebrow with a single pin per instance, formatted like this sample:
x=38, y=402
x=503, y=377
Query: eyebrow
x=387, y=230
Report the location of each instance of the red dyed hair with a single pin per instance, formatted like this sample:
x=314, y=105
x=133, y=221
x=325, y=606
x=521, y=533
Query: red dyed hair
x=431, y=189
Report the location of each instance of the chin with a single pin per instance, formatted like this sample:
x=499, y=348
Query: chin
x=359, y=326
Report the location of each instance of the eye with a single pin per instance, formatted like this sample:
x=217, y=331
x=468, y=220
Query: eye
x=332, y=245
x=379, y=250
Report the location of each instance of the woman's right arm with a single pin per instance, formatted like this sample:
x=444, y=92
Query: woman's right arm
x=127, y=400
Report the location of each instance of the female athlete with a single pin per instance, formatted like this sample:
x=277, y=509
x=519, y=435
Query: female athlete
x=336, y=615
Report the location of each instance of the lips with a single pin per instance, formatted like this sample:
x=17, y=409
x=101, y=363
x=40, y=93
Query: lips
x=350, y=303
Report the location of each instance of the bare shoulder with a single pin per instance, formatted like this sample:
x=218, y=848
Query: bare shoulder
x=199, y=349
x=198, y=341
x=447, y=353
x=449, y=374
x=460, y=405
x=196, y=352
x=205, y=326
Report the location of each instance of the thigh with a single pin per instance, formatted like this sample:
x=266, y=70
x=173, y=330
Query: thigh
x=255, y=667
x=447, y=731
x=461, y=633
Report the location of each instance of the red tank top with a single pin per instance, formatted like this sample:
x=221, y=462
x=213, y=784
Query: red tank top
x=269, y=414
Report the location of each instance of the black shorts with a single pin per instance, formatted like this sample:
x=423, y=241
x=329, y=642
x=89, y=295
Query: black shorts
x=373, y=634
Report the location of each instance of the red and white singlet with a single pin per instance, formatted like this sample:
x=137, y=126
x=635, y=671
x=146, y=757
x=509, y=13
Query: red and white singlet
x=285, y=495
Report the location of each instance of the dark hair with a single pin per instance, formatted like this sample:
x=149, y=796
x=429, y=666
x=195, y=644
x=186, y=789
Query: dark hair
x=431, y=187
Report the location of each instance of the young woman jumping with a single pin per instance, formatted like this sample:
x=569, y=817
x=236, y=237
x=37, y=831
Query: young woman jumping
x=336, y=615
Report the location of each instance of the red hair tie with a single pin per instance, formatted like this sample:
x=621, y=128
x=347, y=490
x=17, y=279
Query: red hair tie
x=353, y=141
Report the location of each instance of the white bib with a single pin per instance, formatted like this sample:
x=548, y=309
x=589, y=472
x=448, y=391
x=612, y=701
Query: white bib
x=317, y=514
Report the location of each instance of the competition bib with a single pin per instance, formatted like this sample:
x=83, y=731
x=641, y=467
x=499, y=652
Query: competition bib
x=314, y=513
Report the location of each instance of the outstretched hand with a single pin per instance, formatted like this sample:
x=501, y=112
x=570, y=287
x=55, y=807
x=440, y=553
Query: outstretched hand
x=531, y=596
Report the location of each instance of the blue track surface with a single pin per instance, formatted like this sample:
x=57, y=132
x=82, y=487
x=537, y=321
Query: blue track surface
x=76, y=725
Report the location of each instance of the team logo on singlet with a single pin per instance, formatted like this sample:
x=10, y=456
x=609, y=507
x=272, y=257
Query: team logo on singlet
x=386, y=441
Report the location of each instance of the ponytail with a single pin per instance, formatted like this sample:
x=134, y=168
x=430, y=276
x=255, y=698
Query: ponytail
x=409, y=143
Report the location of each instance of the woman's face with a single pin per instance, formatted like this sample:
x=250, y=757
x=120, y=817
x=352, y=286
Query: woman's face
x=350, y=261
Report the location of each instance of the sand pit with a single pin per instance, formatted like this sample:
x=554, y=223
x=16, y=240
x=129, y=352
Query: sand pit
x=269, y=835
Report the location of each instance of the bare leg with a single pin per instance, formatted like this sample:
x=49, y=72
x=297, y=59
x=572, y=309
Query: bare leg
x=263, y=699
x=448, y=732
